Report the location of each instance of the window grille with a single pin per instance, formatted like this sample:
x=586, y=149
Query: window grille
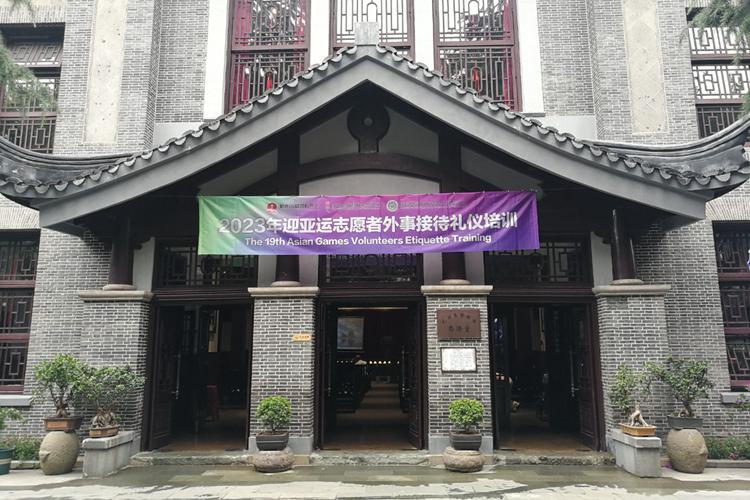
x=713, y=118
x=559, y=261
x=33, y=128
x=270, y=44
x=18, y=260
x=710, y=43
x=732, y=244
x=180, y=266
x=476, y=45
x=394, y=17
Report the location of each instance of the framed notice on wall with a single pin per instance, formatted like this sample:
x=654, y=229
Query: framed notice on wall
x=458, y=359
x=350, y=333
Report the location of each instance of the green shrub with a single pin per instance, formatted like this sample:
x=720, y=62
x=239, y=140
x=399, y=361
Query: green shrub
x=687, y=379
x=627, y=390
x=58, y=378
x=7, y=414
x=729, y=448
x=25, y=448
x=466, y=414
x=104, y=389
x=274, y=412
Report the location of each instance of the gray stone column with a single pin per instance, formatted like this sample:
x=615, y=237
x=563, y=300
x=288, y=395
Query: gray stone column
x=114, y=332
x=283, y=358
x=442, y=387
x=632, y=330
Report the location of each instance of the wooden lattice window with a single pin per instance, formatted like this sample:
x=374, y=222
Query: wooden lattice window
x=402, y=270
x=270, y=42
x=34, y=127
x=559, y=261
x=732, y=243
x=395, y=18
x=178, y=265
x=475, y=44
x=18, y=259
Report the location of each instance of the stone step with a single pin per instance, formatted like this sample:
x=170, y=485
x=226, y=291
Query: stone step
x=370, y=458
x=595, y=458
x=146, y=458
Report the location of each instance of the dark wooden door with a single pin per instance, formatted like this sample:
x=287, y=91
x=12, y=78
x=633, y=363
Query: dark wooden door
x=327, y=372
x=165, y=375
x=584, y=376
x=501, y=387
x=414, y=374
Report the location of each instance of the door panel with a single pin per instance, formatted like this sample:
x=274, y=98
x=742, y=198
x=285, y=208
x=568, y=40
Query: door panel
x=584, y=376
x=327, y=371
x=165, y=370
x=501, y=388
x=414, y=370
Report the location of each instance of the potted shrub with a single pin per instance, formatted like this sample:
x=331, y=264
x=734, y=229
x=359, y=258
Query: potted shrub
x=466, y=415
x=6, y=453
x=274, y=413
x=687, y=380
x=625, y=395
x=57, y=377
x=103, y=390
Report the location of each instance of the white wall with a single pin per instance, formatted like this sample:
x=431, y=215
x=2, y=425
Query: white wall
x=143, y=265
x=424, y=50
x=531, y=59
x=216, y=58
x=601, y=261
x=320, y=21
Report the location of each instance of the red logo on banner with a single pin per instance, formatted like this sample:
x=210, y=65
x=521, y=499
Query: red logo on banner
x=272, y=208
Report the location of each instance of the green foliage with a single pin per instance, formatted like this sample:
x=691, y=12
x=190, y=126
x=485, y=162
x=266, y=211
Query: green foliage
x=274, y=412
x=687, y=379
x=734, y=15
x=627, y=390
x=25, y=448
x=59, y=377
x=21, y=89
x=104, y=390
x=7, y=414
x=730, y=448
x=466, y=413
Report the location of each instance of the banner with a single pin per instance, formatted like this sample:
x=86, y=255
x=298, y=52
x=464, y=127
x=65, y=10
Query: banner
x=409, y=223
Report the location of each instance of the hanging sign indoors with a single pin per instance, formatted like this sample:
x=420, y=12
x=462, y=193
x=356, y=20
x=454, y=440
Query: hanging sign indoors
x=409, y=223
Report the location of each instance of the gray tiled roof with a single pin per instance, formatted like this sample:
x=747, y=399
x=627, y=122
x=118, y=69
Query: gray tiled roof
x=714, y=163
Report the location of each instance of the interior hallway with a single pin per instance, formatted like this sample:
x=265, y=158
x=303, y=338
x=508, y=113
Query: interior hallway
x=225, y=434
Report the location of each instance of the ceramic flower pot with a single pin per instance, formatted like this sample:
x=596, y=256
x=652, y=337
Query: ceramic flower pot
x=687, y=450
x=6, y=454
x=58, y=452
x=465, y=440
x=272, y=442
x=101, y=432
x=684, y=422
x=65, y=424
x=638, y=430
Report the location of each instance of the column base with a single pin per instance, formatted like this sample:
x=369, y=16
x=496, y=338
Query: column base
x=455, y=282
x=286, y=283
x=115, y=286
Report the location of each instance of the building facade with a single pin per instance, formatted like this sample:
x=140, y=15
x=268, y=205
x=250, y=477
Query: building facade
x=643, y=247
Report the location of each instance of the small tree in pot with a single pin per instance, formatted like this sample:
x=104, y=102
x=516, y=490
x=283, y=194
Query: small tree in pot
x=627, y=391
x=687, y=380
x=58, y=377
x=6, y=454
x=104, y=390
x=275, y=414
x=466, y=415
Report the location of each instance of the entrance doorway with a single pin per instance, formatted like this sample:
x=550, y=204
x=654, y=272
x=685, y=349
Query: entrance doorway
x=370, y=377
x=544, y=390
x=200, y=378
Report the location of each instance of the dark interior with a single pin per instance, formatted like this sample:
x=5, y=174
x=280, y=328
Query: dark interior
x=540, y=367
x=210, y=363
x=369, y=376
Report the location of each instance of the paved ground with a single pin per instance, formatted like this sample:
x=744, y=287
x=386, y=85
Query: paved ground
x=509, y=482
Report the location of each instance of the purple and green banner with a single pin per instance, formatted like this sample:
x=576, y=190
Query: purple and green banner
x=408, y=223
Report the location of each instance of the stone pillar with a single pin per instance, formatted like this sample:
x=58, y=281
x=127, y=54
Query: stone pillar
x=442, y=387
x=283, y=358
x=114, y=332
x=632, y=330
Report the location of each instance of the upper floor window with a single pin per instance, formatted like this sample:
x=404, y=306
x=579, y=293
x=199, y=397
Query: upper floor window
x=476, y=45
x=395, y=18
x=270, y=42
x=732, y=246
x=18, y=259
x=721, y=76
x=40, y=50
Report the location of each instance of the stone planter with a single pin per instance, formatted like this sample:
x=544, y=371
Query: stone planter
x=58, y=452
x=687, y=450
x=106, y=455
x=272, y=442
x=465, y=441
x=637, y=455
x=684, y=422
x=102, y=432
x=462, y=460
x=64, y=424
x=274, y=461
x=5, y=456
x=638, y=431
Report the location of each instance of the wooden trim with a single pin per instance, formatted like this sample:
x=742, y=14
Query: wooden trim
x=148, y=392
x=207, y=296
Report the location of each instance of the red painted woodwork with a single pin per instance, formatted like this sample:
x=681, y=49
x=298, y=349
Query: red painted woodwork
x=395, y=18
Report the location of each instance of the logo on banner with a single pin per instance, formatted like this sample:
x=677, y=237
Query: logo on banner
x=391, y=205
x=272, y=208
